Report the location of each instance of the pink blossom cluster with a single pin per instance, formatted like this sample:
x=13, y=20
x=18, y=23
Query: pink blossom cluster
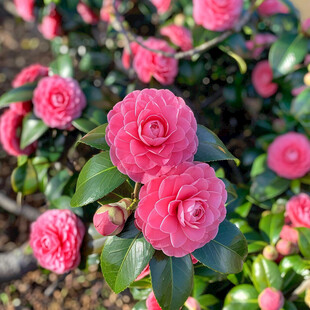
x=152, y=139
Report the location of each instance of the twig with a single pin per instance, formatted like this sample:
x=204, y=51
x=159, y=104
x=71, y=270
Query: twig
x=136, y=190
x=14, y=264
x=11, y=206
x=131, y=37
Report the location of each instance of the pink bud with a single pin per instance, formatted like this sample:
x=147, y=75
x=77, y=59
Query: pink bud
x=285, y=247
x=145, y=272
x=289, y=233
x=270, y=252
x=305, y=27
x=109, y=220
x=192, y=304
x=270, y=299
x=88, y=16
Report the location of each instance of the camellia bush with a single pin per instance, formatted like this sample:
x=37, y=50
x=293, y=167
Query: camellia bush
x=130, y=133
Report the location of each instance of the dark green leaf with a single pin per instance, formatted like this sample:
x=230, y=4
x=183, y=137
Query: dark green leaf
x=172, y=279
x=63, y=66
x=268, y=185
x=97, y=179
x=56, y=185
x=83, y=124
x=33, y=128
x=96, y=138
x=265, y=274
x=24, y=179
x=291, y=281
x=123, y=191
x=226, y=252
x=231, y=192
x=270, y=226
x=304, y=241
x=41, y=166
x=301, y=109
x=242, y=297
x=207, y=300
x=130, y=230
x=23, y=93
x=288, y=51
x=122, y=260
x=289, y=306
x=210, y=147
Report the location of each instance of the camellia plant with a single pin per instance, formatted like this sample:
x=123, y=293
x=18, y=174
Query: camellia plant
x=130, y=132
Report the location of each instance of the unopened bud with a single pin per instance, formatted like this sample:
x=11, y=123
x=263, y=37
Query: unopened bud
x=192, y=304
x=109, y=220
x=270, y=252
x=270, y=299
x=285, y=247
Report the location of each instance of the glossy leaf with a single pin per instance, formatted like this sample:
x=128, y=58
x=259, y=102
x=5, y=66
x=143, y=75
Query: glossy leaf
x=23, y=93
x=24, y=179
x=301, y=109
x=265, y=273
x=241, y=297
x=270, y=226
x=97, y=178
x=122, y=260
x=226, y=252
x=304, y=241
x=231, y=192
x=210, y=147
x=56, y=185
x=268, y=185
x=299, y=265
x=83, y=124
x=288, y=51
x=32, y=129
x=123, y=191
x=96, y=138
x=41, y=166
x=259, y=165
x=172, y=279
x=63, y=66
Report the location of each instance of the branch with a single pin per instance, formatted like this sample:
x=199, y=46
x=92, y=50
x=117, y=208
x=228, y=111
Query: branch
x=131, y=37
x=14, y=264
x=11, y=206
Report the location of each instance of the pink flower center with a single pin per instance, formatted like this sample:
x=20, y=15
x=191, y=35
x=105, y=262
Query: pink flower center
x=291, y=155
x=191, y=213
x=58, y=99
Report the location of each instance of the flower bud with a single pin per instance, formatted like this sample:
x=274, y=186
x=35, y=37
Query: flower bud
x=285, y=247
x=192, y=304
x=305, y=27
x=109, y=220
x=270, y=252
x=289, y=233
x=270, y=299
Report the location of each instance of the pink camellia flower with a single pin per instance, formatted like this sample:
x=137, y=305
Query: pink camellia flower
x=285, y=247
x=51, y=25
x=272, y=7
x=30, y=74
x=21, y=108
x=262, y=79
x=270, y=299
x=151, y=302
x=149, y=132
x=58, y=101
x=178, y=35
x=25, y=9
x=217, y=15
x=181, y=211
x=298, y=210
x=88, y=16
x=126, y=60
x=259, y=43
x=192, y=304
x=107, y=10
x=289, y=233
x=56, y=237
x=110, y=219
x=298, y=90
x=289, y=155
x=148, y=64
x=10, y=124
x=162, y=6
x=145, y=272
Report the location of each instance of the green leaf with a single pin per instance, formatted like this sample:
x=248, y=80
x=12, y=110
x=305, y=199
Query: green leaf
x=63, y=66
x=172, y=279
x=291, y=281
x=24, y=179
x=299, y=265
x=270, y=226
x=226, y=252
x=23, y=93
x=259, y=165
x=210, y=147
x=301, y=109
x=141, y=305
x=96, y=138
x=268, y=185
x=122, y=260
x=241, y=297
x=265, y=274
x=304, y=241
x=231, y=192
x=41, y=166
x=288, y=51
x=97, y=178
x=33, y=128
x=83, y=124
x=56, y=185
